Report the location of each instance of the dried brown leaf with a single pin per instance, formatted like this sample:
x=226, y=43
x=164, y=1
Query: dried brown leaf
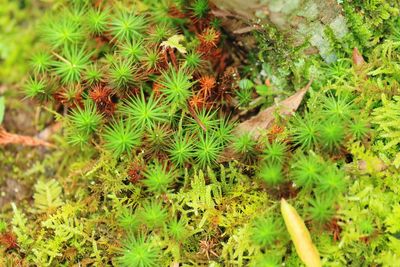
x=358, y=59
x=262, y=121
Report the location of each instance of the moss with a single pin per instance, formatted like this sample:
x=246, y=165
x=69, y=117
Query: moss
x=149, y=182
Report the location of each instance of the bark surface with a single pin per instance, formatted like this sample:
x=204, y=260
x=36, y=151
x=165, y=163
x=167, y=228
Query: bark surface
x=297, y=20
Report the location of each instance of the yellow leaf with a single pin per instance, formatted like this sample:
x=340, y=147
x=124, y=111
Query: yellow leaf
x=300, y=236
x=175, y=42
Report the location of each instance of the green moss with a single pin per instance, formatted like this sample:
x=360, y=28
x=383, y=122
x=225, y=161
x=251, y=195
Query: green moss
x=150, y=184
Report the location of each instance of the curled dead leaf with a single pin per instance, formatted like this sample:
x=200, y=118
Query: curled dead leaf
x=256, y=124
x=264, y=119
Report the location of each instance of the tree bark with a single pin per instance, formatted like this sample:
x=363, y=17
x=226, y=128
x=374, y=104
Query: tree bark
x=297, y=20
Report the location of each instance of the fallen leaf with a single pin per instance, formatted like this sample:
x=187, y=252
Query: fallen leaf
x=9, y=138
x=358, y=59
x=256, y=124
x=300, y=236
x=175, y=42
x=263, y=120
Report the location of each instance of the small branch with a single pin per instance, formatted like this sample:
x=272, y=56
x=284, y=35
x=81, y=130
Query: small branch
x=7, y=138
x=193, y=113
x=60, y=58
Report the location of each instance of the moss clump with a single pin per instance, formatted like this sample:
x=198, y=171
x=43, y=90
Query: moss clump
x=149, y=169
